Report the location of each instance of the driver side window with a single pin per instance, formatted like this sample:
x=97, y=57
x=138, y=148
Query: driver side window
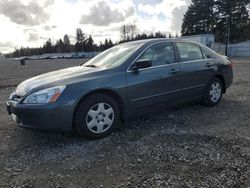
x=159, y=54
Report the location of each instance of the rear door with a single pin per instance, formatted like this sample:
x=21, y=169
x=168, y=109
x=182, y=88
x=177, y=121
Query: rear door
x=156, y=84
x=197, y=68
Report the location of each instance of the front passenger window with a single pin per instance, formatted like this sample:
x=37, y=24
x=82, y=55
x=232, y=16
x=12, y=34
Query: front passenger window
x=159, y=54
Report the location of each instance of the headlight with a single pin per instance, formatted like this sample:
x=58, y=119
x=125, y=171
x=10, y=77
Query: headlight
x=44, y=96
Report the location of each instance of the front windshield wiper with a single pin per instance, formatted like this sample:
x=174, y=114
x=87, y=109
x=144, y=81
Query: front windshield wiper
x=94, y=66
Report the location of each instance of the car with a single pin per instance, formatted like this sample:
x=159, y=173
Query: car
x=127, y=79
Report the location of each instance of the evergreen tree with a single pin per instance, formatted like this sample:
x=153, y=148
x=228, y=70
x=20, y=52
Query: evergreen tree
x=199, y=18
x=215, y=16
x=89, y=44
x=80, y=40
x=110, y=43
x=106, y=44
x=59, y=46
x=160, y=35
x=234, y=16
x=150, y=36
x=101, y=47
x=66, y=43
x=47, y=48
x=142, y=36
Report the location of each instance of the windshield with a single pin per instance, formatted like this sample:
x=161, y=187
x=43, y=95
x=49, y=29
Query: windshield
x=113, y=57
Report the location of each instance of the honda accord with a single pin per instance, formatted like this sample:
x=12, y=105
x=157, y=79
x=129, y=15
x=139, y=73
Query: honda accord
x=132, y=77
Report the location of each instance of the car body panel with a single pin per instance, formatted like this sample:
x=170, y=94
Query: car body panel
x=198, y=75
x=152, y=86
x=55, y=78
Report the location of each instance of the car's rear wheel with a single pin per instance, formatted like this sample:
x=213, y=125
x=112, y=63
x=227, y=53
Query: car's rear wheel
x=97, y=116
x=214, y=92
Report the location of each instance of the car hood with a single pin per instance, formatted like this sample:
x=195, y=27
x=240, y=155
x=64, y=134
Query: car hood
x=54, y=78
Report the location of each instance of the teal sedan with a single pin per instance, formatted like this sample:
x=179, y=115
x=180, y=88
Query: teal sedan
x=123, y=81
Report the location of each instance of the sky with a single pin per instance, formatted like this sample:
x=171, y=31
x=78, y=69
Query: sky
x=32, y=22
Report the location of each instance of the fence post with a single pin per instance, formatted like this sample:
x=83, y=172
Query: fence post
x=22, y=62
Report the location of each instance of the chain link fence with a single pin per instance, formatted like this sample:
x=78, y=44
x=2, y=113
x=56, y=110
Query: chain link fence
x=234, y=50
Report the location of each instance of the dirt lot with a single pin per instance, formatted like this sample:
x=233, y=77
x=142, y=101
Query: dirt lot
x=186, y=146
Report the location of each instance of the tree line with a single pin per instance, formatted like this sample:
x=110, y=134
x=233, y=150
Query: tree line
x=216, y=17
x=84, y=43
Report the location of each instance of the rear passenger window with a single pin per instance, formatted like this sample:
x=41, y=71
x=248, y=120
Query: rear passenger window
x=206, y=55
x=189, y=52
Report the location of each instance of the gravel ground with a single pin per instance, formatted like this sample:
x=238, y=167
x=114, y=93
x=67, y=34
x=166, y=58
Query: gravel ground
x=186, y=146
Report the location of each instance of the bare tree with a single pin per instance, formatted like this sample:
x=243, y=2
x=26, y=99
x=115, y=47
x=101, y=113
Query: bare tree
x=132, y=31
x=128, y=32
x=123, y=31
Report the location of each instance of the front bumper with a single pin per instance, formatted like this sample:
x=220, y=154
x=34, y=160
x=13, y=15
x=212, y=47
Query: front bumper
x=52, y=117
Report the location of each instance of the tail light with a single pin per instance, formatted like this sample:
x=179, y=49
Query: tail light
x=231, y=65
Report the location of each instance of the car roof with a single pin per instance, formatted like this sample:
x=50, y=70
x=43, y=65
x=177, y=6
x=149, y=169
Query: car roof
x=150, y=41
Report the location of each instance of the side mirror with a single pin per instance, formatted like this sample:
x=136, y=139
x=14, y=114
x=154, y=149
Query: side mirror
x=141, y=64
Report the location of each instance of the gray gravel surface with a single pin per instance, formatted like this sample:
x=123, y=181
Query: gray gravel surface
x=186, y=146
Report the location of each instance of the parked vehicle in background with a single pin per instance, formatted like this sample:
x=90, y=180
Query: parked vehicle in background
x=118, y=83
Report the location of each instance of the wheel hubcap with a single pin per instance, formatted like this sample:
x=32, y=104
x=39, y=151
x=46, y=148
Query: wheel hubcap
x=215, y=92
x=100, y=118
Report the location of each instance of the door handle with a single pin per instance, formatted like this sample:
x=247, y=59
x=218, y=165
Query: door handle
x=174, y=71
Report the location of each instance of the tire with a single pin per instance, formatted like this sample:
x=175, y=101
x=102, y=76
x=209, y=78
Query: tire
x=213, y=92
x=97, y=116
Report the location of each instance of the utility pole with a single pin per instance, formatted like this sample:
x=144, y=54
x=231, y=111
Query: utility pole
x=227, y=34
x=82, y=45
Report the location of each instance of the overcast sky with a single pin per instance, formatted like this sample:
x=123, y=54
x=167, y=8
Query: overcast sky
x=32, y=22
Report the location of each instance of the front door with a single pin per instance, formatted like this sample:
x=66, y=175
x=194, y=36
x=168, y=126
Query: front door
x=156, y=84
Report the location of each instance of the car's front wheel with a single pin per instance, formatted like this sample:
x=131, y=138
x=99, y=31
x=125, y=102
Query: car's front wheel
x=97, y=116
x=213, y=93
